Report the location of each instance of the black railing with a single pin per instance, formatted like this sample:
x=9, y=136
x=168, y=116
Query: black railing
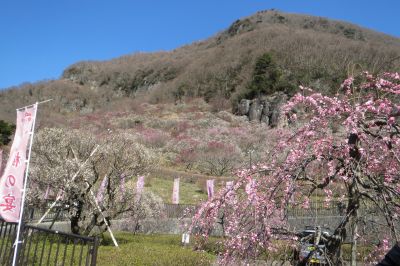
x=34, y=214
x=179, y=210
x=46, y=247
x=7, y=239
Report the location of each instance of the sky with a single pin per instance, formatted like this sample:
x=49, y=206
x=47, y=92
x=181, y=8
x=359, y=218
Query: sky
x=40, y=38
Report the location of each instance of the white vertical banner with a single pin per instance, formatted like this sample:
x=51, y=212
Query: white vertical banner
x=12, y=180
x=139, y=187
x=175, y=191
x=229, y=185
x=210, y=188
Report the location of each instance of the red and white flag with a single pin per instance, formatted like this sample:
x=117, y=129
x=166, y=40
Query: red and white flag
x=210, y=188
x=12, y=180
x=175, y=191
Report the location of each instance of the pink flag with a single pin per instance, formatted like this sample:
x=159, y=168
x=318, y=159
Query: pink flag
x=12, y=181
x=175, y=191
x=100, y=192
x=1, y=160
x=139, y=187
x=210, y=188
x=122, y=185
x=46, y=196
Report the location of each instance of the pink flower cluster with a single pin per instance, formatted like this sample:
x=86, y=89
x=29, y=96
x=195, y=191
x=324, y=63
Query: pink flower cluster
x=340, y=144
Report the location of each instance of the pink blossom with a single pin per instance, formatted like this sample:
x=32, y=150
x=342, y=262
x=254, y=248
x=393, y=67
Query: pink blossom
x=361, y=158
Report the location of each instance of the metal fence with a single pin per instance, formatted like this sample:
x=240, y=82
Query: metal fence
x=315, y=210
x=46, y=247
x=33, y=214
x=7, y=238
x=179, y=210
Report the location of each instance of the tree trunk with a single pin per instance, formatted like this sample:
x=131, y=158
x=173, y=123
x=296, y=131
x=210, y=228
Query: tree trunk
x=92, y=223
x=335, y=251
x=76, y=207
x=75, y=225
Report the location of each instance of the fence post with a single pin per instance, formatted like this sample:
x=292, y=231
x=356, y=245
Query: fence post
x=18, y=242
x=94, y=251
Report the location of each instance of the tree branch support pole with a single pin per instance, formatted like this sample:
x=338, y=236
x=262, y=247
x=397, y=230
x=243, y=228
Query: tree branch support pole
x=104, y=219
x=72, y=180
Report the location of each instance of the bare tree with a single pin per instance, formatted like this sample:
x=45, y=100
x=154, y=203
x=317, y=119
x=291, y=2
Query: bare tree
x=59, y=154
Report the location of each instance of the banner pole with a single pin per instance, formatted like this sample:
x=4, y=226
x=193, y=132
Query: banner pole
x=21, y=213
x=37, y=103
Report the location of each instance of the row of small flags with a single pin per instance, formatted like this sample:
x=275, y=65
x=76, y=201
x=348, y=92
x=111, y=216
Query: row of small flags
x=140, y=187
x=175, y=189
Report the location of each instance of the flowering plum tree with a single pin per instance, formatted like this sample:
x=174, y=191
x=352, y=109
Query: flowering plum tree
x=347, y=145
x=59, y=154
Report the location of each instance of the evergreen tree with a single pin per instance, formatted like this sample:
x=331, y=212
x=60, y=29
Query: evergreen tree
x=6, y=130
x=265, y=77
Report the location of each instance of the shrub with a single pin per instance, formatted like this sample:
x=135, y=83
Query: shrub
x=153, y=138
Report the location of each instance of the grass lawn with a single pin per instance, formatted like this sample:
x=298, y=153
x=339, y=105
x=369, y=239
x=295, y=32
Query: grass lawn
x=145, y=250
x=150, y=250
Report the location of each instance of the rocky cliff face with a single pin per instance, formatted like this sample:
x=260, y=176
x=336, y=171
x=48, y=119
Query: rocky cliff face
x=266, y=109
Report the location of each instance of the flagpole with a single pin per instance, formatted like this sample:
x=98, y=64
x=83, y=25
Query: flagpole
x=17, y=239
x=37, y=103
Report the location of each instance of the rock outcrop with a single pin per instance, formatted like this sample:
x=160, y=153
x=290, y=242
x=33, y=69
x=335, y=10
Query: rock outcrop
x=266, y=109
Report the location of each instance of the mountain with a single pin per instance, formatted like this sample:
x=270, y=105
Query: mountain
x=304, y=50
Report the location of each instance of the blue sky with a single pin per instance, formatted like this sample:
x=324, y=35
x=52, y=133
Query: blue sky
x=40, y=38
